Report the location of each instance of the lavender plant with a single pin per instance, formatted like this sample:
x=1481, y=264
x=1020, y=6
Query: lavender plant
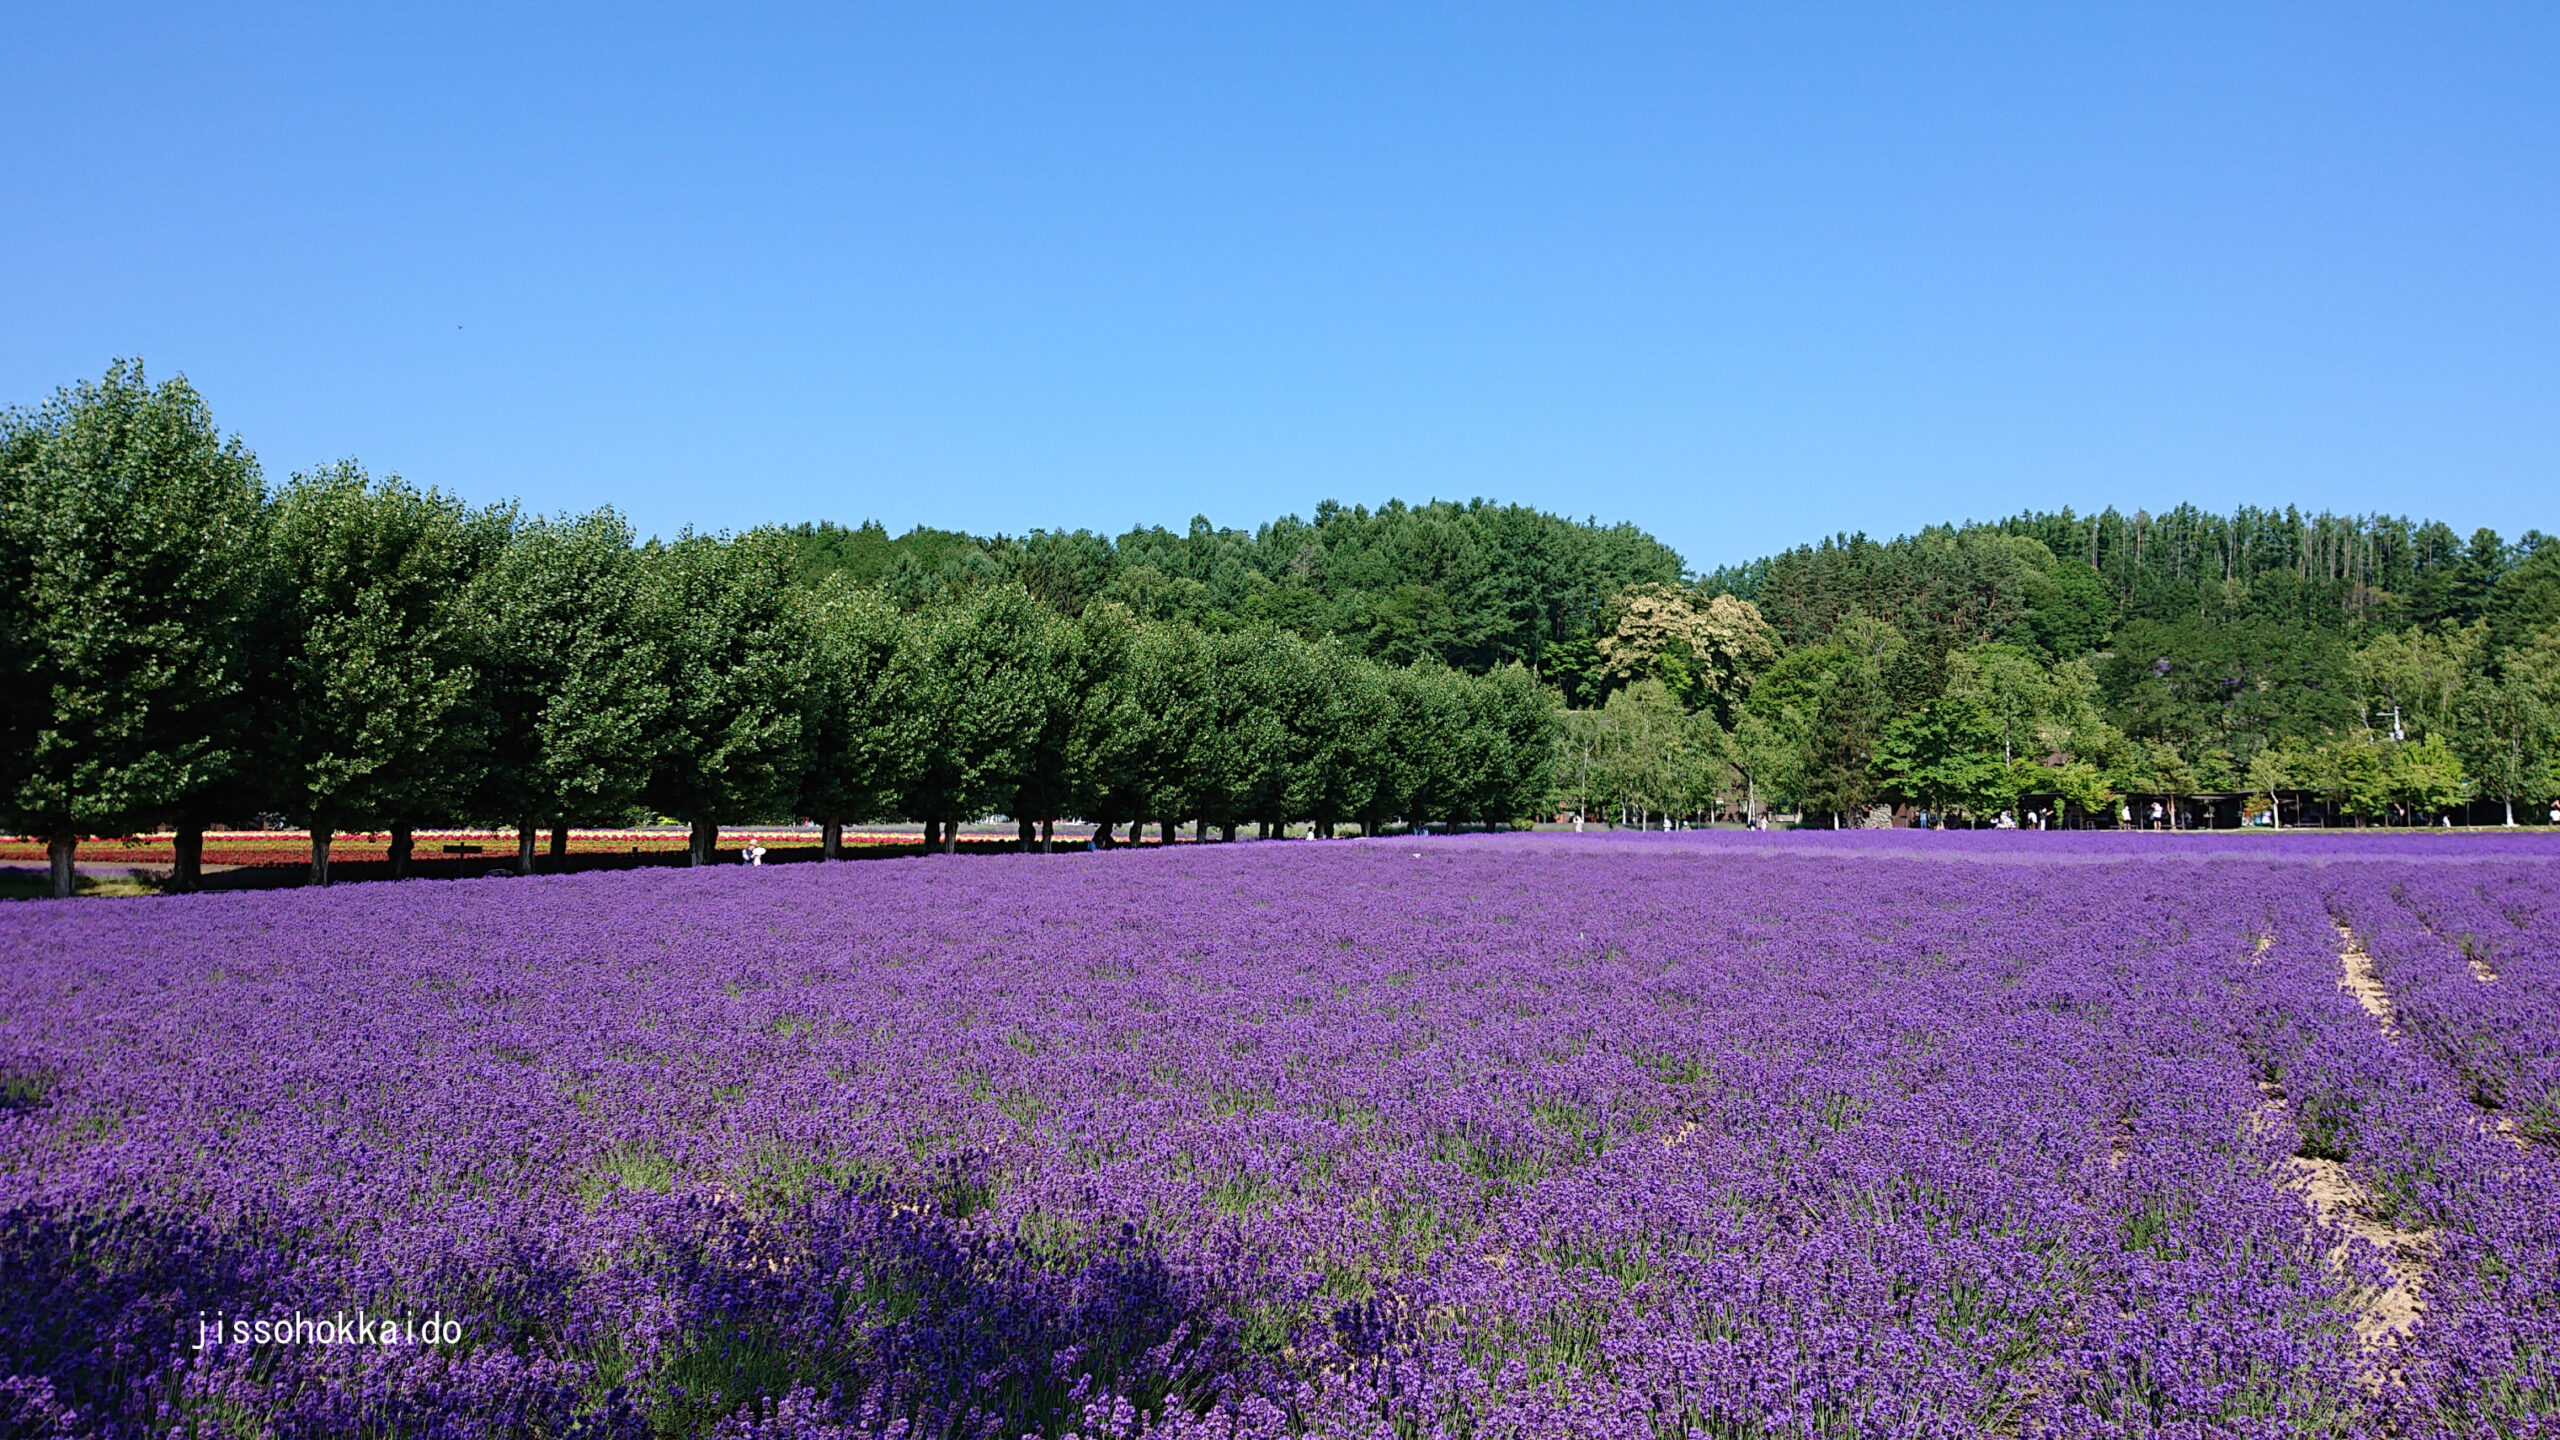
x=1726, y=1135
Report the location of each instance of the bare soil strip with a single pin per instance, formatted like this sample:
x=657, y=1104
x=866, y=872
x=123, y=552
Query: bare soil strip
x=2382, y=1314
x=2360, y=979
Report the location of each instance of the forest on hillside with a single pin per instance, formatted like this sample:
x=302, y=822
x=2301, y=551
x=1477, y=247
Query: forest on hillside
x=2370, y=666
x=185, y=642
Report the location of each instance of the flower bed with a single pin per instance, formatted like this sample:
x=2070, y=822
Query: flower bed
x=1519, y=1135
x=293, y=847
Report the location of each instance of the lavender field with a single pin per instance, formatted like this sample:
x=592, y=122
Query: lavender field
x=1730, y=1135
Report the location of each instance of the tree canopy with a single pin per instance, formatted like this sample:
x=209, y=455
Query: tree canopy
x=185, y=643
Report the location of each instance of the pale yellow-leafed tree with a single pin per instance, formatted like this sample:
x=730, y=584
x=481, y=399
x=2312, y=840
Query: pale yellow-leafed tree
x=1712, y=648
x=2415, y=677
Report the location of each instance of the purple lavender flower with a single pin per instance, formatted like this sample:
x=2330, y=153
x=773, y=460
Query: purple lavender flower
x=1871, y=1133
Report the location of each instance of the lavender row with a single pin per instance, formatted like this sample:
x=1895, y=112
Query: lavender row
x=2473, y=1217
x=2478, y=981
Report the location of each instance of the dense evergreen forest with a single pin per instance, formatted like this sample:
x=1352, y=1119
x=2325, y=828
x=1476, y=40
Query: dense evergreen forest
x=187, y=644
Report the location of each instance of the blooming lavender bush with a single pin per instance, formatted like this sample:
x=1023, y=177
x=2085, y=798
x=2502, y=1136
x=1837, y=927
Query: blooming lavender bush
x=1645, y=1135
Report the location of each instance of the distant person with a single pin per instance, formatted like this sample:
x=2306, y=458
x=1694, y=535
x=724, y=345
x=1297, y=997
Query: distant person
x=753, y=854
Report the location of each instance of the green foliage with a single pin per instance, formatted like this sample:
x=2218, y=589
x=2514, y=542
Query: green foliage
x=865, y=725
x=573, y=685
x=1707, y=649
x=1352, y=759
x=1839, y=764
x=370, y=711
x=2506, y=728
x=1948, y=755
x=2525, y=600
x=129, y=535
x=734, y=660
x=2287, y=567
x=2427, y=778
x=2237, y=686
x=985, y=676
x=357, y=652
x=1474, y=586
x=2412, y=680
x=1943, y=588
x=1657, y=758
x=1131, y=747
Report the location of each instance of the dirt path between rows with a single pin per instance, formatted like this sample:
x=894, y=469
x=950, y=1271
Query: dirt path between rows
x=2361, y=980
x=2382, y=1314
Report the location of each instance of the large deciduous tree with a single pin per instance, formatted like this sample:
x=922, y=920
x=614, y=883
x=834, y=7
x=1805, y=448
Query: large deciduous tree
x=1517, y=725
x=734, y=660
x=983, y=676
x=1948, y=755
x=571, y=677
x=2507, y=729
x=1134, y=747
x=1707, y=650
x=129, y=548
x=865, y=713
x=368, y=711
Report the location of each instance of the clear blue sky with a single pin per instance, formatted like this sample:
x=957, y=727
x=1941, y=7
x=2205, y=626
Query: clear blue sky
x=1744, y=275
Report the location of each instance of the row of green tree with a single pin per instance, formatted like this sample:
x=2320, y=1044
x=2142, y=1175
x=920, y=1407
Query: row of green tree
x=183, y=645
x=1473, y=586
x=398, y=655
x=1706, y=709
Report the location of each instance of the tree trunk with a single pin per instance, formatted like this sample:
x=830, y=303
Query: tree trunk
x=831, y=840
x=1102, y=835
x=2511, y=812
x=403, y=841
x=560, y=846
x=189, y=874
x=1164, y=833
x=1227, y=834
x=950, y=837
x=1027, y=833
x=321, y=835
x=706, y=842
x=58, y=852
x=525, y=828
x=1137, y=834
x=932, y=836
x=1199, y=832
x=1049, y=837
